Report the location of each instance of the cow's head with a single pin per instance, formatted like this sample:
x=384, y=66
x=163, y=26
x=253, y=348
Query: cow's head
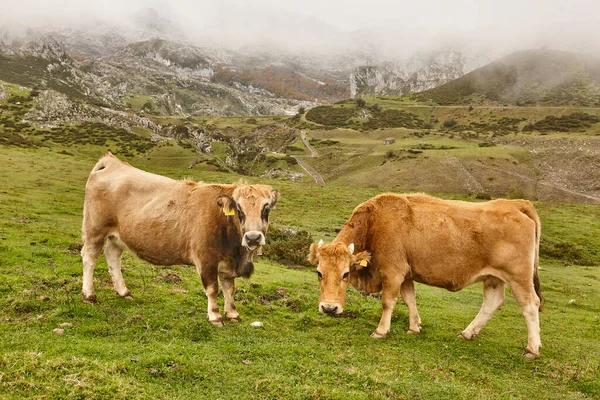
x=335, y=263
x=249, y=206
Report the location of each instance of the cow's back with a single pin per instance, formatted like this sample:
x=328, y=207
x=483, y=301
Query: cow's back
x=161, y=220
x=449, y=243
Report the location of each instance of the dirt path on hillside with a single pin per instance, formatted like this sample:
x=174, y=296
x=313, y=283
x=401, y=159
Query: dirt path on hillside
x=310, y=170
x=313, y=152
x=470, y=182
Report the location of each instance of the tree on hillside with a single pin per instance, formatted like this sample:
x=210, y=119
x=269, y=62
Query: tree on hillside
x=360, y=103
x=301, y=110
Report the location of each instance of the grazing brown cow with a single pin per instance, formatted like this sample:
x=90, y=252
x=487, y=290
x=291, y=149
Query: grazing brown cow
x=392, y=240
x=217, y=228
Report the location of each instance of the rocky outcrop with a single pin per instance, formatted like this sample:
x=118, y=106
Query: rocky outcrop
x=419, y=72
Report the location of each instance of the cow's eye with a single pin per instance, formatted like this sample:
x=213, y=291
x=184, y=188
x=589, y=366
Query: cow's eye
x=320, y=275
x=265, y=213
x=345, y=276
x=241, y=214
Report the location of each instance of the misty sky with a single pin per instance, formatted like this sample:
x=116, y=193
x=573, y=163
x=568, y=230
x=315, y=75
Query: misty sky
x=344, y=14
x=308, y=21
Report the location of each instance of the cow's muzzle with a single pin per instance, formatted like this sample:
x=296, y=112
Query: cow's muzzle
x=253, y=239
x=330, y=308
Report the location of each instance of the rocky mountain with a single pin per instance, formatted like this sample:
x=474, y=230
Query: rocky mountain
x=150, y=63
x=417, y=73
x=173, y=78
x=526, y=78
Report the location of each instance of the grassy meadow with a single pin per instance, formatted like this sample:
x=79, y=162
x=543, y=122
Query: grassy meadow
x=160, y=345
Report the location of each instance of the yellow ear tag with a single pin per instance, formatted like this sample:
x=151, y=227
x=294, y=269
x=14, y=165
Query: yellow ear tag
x=228, y=211
x=363, y=263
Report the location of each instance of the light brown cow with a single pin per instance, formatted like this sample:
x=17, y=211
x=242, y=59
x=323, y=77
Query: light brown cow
x=392, y=240
x=217, y=228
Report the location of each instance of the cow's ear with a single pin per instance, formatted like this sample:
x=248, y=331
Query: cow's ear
x=361, y=260
x=227, y=204
x=274, y=198
x=313, y=256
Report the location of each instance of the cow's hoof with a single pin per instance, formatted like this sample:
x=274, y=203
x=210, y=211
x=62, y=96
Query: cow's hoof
x=467, y=336
x=377, y=335
x=127, y=295
x=413, y=332
x=236, y=318
x=89, y=299
x=530, y=355
x=217, y=322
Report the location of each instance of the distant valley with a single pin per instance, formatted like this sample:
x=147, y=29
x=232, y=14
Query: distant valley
x=524, y=125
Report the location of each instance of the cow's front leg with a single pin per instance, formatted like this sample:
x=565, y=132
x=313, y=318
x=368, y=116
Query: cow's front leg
x=211, y=288
x=228, y=285
x=389, y=296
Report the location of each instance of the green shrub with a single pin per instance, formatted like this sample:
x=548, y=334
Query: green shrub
x=563, y=251
x=330, y=116
x=566, y=123
x=449, y=123
x=288, y=245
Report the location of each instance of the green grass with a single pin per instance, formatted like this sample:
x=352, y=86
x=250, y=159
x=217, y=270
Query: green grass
x=160, y=345
x=139, y=102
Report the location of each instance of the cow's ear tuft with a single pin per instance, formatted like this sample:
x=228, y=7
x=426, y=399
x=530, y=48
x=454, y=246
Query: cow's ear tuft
x=313, y=256
x=274, y=198
x=227, y=204
x=361, y=260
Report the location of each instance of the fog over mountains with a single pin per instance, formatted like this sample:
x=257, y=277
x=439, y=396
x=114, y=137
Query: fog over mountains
x=233, y=57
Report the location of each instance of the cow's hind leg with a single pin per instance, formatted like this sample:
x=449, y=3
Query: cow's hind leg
x=89, y=254
x=493, y=299
x=389, y=296
x=407, y=291
x=228, y=285
x=112, y=253
x=530, y=304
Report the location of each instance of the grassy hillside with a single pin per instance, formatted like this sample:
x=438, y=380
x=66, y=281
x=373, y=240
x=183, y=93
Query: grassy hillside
x=525, y=78
x=545, y=153
x=540, y=153
x=160, y=345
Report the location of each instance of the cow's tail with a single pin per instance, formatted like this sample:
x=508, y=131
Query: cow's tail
x=532, y=214
x=106, y=160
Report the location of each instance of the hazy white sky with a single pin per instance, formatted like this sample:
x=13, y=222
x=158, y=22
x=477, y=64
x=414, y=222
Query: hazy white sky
x=310, y=21
x=344, y=14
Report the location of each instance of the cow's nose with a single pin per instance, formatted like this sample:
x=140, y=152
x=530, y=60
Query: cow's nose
x=254, y=238
x=329, y=309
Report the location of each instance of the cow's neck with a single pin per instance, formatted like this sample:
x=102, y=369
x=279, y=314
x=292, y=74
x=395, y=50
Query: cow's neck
x=239, y=256
x=355, y=231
